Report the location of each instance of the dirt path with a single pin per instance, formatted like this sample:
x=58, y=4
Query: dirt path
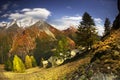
x=2, y=76
x=55, y=73
x=2, y=68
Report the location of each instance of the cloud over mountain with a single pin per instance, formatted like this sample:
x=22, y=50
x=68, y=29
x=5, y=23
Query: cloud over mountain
x=28, y=16
x=66, y=21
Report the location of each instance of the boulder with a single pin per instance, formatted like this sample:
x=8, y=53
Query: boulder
x=45, y=63
x=55, y=61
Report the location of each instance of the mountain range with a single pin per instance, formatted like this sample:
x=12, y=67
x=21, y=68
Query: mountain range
x=37, y=39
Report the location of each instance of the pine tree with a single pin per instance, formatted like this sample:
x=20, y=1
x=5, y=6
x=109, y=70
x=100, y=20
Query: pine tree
x=87, y=20
x=18, y=65
x=28, y=62
x=34, y=63
x=107, y=26
x=86, y=34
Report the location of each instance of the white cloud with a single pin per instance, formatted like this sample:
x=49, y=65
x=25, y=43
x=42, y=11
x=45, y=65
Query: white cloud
x=72, y=18
x=66, y=21
x=98, y=20
x=99, y=26
x=5, y=15
x=27, y=15
x=100, y=29
x=25, y=10
x=16, y=16
x=41, y=13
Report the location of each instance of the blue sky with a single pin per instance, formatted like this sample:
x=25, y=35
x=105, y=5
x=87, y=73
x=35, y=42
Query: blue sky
x=59, y=13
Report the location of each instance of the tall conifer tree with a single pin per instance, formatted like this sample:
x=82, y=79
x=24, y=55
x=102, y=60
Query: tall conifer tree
x=107, y=26
x=86, y=35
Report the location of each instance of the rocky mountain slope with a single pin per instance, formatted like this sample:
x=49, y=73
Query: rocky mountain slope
x=107, y=53
x=71, y=32
x=104, y=63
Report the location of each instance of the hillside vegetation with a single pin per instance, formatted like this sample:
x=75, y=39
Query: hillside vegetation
x=107, y=53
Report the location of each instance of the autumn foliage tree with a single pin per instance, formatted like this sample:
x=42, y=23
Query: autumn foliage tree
x=18, y=65
x=28, y=61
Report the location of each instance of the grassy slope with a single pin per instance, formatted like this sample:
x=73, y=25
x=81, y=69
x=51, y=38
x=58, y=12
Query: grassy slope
x=107, y=53
x=55, y=73
x=105, y=58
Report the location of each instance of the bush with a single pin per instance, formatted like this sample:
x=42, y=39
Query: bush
x=18, y=65
x=34, y=63
x=62, y=48
x=8, y=65
x=28, y=62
